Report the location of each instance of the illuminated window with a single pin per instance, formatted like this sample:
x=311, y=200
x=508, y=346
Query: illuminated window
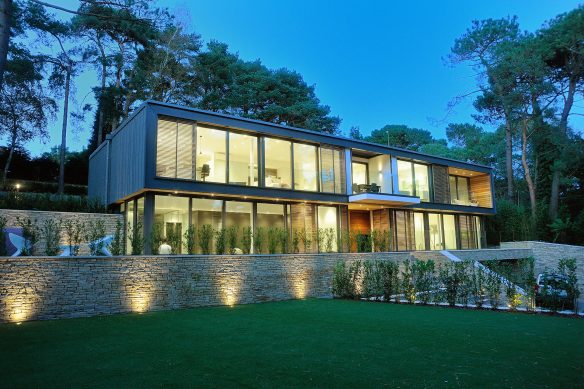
x=243, y=159
x=305, y=167
x=419, y=231
x=413, y=179
x=278, y=163
x=211, y=156
x=328, y=228
x=171, y=217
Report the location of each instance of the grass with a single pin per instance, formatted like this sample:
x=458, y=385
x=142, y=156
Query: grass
x=298, y=343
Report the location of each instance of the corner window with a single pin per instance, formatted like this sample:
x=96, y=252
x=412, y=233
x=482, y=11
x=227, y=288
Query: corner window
x=459, y=190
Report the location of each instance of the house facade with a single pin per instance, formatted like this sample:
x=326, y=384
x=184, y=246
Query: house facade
x=170, y=167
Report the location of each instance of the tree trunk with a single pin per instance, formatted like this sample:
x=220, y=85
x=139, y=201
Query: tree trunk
x=5, y=21
x=64, y=132
x=556, y=174
x=509, y=155
x=100, y=123
x=528, y=179
x=9, y=160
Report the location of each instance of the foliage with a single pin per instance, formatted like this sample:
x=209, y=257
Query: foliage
x=389, y=280
x=567, y=267
x=423, y=279
x=329, y=235
x=94, y=234
x=259, y=240
x=493, y=286
x=232, y=237
x=156, y=237
x=189, y=239
x=205, y=238
x=273, y=239
x=295, y=241
x=49, y=202
x=117, y=245
x=513, y=296
x=30, y=233
x=51, y=232
x=136, y=236
x=451, y=276
x=363, y=242
x=478, y=287
x=372, y=280
x=3, y=248
x=221, y=241
x=380, y=240
x=305, y=239
x=74, y=230
x=246, y=240
x=284, y=239
x=408, y=285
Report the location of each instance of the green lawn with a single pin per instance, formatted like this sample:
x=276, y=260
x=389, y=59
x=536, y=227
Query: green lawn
x=298, y=343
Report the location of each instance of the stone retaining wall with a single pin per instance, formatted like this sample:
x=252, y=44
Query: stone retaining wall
x=548, y=255
x=109, y=220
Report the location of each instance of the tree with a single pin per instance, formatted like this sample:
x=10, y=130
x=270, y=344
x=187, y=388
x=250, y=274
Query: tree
x=25, y=108
x=402, y=136
x=481, y=45
x=6, y=12
x=564, y=38
x=355, y=133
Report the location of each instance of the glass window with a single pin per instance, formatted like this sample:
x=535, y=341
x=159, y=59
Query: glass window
x=453, y=193
x=278, y=163
x=419, y=234
x=449, y=232
x=305, y=168
x=359, y=175
x=479, y=232
x=171, y=220
x=435, y=227
x=166, y=148
x=238, y=215
x=327, y=228
x=211, y=158
x=130, y=225
x=206, y=212
x=421, y=177
x=463, y=195
x=270, y=215
x=243, y=159
x=185, y=151
x=405, y=178
x=332, y=171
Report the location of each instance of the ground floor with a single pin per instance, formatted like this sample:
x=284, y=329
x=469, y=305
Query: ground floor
x=297, y=344
x=272, y=225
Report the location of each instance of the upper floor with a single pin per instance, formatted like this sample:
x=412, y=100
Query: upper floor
x=166, y=147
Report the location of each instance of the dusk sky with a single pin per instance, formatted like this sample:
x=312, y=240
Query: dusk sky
x=373, y=63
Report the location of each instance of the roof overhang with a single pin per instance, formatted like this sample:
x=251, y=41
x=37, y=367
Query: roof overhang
x=383, y=199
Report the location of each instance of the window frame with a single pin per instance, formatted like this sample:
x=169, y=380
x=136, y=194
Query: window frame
x=413, y=175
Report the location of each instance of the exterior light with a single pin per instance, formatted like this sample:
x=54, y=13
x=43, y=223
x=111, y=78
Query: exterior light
x=17, y=187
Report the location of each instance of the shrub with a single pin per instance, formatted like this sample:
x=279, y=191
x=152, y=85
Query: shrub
x=259, y=240
x=136, y=237
x=3, y=248
x=232, y=233
x=424, y=282
x=205, y=235
x=246, y=240
x=408, y=285
x=347, y=240
x=50, y=202
x=389, y=280
x=372, y=282
x=450, y=277
x=342, y=286
x=306, y=240
x=189, y=239
x=356, y=277
x=74, y=230
x=493, y=286
x=463, y=274
x=380, y=240
x=295, y=241
x=220, y=241
x=478, y=289
x=273, y=239
x=117, y=245
x=528, y=275
x=319, y=237
x=51, y=231
x=30, y=234
x=156, y=237
x=94, y=234
x=174, y=239
x=363, y=242
x=567, y=267
x=283, y=239
x=513, y=296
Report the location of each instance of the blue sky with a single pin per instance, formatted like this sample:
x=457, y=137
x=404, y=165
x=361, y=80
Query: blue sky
x=373, y=63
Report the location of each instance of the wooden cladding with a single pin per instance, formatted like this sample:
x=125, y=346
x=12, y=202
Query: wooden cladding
x=441, y=184
x=480, y=190
x=467, y=232
x=332, y=170
x=404, y=230
x=303, y=218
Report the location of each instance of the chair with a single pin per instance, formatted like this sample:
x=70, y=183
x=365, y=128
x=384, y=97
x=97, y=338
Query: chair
x=374, y=188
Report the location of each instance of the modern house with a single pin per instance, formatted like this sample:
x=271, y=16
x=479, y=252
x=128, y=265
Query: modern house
x=180, y=166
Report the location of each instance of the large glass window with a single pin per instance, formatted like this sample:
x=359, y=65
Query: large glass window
x=238, y=215
x=305, y=167
x=332, y=170
x=360, y=176
x=171, y=220
x=413, y=179
x=211, y=154
x=459, y=190
x=206, y=212
x=479, y=232
x=243, y=159
x=419, y=231
x=327, y=228
x=421, y=178
x=405, y=178
x=278, y=163
x=449, y=232
x=436, y=233
x=270, y=215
